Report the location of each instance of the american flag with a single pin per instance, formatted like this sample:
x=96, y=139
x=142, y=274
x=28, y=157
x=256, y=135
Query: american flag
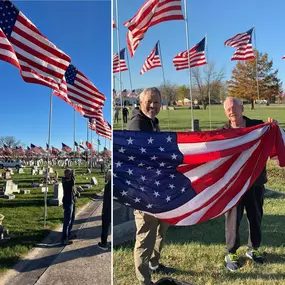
x=151, y=13
x=197, y=57
x=77, y=89
x=101, y=127
x=66, y=148
x=132, y=93
x=55, y=150
x=243, y=44
x=22, y=45
x=152, y=61
x=119, y=64
x=283, y=56
x=89, y=145
x=189, y=178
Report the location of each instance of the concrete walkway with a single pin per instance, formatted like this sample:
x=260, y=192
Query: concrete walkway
x=82, y=262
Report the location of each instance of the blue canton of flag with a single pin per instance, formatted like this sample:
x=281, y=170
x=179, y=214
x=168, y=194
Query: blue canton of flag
x=70, y=74
x=145, y=175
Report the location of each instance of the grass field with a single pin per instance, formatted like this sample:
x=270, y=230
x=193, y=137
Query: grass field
x=180, y=120
x=24, y=214
x=197, y=252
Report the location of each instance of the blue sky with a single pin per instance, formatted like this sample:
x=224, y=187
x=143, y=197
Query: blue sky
x=82, y=29
x=220, y=20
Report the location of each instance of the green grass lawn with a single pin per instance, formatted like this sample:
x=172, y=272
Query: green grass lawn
x=197, y=252
x=24, y=215
x=180, y=120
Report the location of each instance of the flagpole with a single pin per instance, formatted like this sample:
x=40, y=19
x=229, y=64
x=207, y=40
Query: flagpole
x=189, y=68
x=87, y=141
x=164, y=81
x=256, y=68
x=91, y=151
x=74, y=136
x=118, y=44
x=129, y=68
x=209, y=91
x=48, y=156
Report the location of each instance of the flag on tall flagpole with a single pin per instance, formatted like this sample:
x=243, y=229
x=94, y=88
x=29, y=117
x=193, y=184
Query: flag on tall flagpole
x=80, y=91
x=23, y=45
x=151, y=13
x=119, y=64
x=243, y=44
x=152, y=61
x=197, y=57
x=66, y=148
x=114, y=24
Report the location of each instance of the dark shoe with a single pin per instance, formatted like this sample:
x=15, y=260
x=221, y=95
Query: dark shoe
x=72, y=236
x=255, y=255
x=66, y=242
x=103, y=246
x=231, y=262
x=162, y=269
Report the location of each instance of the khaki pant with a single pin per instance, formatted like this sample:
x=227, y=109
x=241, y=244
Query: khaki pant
x=150, y=236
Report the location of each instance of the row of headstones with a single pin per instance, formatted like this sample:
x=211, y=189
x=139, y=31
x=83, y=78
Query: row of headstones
x=10, y=188
x=56, y=200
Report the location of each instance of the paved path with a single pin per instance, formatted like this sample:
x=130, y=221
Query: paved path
x=82, y=262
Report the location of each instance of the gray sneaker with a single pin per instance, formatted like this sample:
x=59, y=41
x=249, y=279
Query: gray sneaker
x=231, y=262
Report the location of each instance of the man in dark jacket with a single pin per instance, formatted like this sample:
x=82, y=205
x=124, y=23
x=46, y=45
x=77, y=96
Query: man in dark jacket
x=150, y=234
x=106, y=213
x=125, y=114
x=252, y=201
x=69, y=197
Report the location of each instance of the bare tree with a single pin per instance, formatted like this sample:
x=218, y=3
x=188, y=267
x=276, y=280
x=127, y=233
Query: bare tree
x=9, y=141
x=168, y=92
x=208, y=82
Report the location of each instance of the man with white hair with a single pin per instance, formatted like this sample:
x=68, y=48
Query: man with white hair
x=252, y=201
x=151, y=231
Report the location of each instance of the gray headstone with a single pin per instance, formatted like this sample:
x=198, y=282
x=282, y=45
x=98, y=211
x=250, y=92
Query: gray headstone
x=41, y=172
x=80, y=189
x=35, y=167
x=21, y=171
x=44, y=189
x=9, y=188
x=58, y=195
x=94, y=181
x=33, y=171
x=88, y=170
x=50, y=170
x=25, y=191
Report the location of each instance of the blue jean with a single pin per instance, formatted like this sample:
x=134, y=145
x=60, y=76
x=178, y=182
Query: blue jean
x=68, y=220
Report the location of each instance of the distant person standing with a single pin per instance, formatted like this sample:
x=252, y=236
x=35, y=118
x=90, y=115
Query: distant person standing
x=116, y=114
x=106, y=212
x=125, y=114
x=70, y=195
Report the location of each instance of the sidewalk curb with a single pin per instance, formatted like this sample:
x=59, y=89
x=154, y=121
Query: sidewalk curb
x=49, y=239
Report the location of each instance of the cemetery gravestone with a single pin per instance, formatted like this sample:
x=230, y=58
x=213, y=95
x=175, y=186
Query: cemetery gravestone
x=50, y=170
x=58, y=195
x=94, y=181
x=44, y=189
x=21, y=171
x=33, y=172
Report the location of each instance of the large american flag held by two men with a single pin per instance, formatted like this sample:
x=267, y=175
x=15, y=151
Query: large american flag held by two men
x=189, y=178
x=151, y=13
x=243, y=44
x=197, y=57
x=22, y=45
